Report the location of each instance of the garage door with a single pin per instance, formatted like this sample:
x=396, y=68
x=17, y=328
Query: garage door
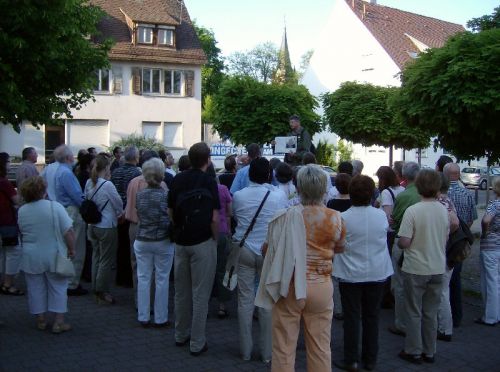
x=82, y=134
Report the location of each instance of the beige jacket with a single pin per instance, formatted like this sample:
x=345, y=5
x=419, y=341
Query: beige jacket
x=285, y=258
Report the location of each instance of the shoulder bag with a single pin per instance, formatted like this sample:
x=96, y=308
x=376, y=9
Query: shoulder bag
x=64, y=266
x=231, y=276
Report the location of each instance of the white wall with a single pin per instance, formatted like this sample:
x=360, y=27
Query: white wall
x=124, y=113
x=346, y=51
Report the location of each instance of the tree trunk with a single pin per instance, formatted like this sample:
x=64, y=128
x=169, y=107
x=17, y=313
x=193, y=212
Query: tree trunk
x=391, y=155
x=488, y=183
x=419, y=157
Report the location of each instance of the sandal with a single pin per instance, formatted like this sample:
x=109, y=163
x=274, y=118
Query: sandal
x=58, y=328
x=41, y=324
x=11, y=291
x=105, y=299
x=222, y=313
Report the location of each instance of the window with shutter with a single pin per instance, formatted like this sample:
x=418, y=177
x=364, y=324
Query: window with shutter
x=189, y=78
x=136, y=80
x=117, y=80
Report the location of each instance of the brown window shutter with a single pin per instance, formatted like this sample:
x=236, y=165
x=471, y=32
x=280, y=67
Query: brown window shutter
x=136, y=80
x=189, y=78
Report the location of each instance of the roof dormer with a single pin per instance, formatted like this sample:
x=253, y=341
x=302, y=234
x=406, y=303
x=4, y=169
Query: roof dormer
x=152, y=32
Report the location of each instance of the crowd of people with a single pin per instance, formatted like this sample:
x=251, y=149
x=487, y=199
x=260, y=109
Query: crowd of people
x=300, y=246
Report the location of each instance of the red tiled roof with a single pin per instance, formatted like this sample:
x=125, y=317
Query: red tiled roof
x=389, y=26
x=188, y=49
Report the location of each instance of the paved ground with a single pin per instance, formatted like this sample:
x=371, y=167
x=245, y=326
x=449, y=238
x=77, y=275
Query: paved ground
x=107, y=338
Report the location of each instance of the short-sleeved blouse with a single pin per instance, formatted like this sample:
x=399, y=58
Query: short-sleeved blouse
x=492, y=239
x=38, y=234
x=225, y=200
x=325, y=233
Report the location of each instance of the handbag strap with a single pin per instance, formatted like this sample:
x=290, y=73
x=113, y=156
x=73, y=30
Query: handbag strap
x=55, y=223
x=254, y=219
x=95, y=192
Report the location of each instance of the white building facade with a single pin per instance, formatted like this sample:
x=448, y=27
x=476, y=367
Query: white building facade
x=370, y=43
x=152, y=88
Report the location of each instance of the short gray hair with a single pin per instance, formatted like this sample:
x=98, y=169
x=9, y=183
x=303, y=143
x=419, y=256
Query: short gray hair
x=410, y=170
x=153, y=171
x=311, y=184
x=61, y=153
x=131, y=153
x=357, y=167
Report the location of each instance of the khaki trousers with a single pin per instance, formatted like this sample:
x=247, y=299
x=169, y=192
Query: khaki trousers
x=316, y=311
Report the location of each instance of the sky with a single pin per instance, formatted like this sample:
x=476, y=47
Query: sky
x=242, y=24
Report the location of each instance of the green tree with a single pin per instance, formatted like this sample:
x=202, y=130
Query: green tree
x=454, y=92
x=486, y=22
x=48, y=59
x=140, y=141
x=212, y=72
x=305, y=59
x=344, y=151
x=258, y=63
x=365, y=114
x=250, y=111
x=325, y=154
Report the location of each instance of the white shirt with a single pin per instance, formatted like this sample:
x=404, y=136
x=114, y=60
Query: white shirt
x=106, y=194
x=386, y=197
x=171, y=171
x=366, y=257
x=49, y=175
x=245, y=205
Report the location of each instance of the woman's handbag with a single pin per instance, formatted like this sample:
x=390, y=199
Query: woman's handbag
x=9, y=235
x=231, y=276
x=64, y=266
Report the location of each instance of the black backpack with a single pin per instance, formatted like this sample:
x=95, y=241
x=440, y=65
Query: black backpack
x=193, y=209
x=458, y=247
x=89, y=210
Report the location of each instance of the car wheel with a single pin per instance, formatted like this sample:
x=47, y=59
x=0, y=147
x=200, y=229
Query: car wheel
x=482, y=186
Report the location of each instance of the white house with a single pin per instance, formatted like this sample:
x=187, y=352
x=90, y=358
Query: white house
x=153, y=86
x=370, y=43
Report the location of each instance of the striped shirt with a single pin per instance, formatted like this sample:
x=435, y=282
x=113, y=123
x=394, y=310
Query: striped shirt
x=463, y=201
x=122, y=176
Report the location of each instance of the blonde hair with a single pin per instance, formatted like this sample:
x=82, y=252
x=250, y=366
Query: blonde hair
x=311, y=184
x=496, y=185
x=101, y=162
x=153, y=171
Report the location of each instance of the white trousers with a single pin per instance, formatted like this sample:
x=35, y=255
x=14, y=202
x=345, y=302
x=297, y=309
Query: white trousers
x=445, y=320
x=10, y=259
x=47, y=292
x=490, y=285
x=149, y=256
x=397, y=288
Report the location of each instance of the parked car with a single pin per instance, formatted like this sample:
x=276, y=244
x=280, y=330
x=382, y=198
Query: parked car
x=477, y=176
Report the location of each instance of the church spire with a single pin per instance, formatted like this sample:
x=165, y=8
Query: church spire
x=284, y=71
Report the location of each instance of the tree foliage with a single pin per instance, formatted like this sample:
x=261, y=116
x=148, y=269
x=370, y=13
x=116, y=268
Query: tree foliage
x=362, y=113
x=259, y=63
x=486, y=22
x=212, y=72
x=140, y=141
x=454, y=92
x=344, y=151
x=250, y=111
x=325, y=154
x=48, y=60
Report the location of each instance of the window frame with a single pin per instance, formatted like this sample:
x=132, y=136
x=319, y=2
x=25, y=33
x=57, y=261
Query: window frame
x=99, y=81
x=166, y=30
x=151, y=74
x=144, y=28
x=172, y=72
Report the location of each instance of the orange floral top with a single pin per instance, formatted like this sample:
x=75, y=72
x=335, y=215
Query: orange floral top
x=325, y=232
